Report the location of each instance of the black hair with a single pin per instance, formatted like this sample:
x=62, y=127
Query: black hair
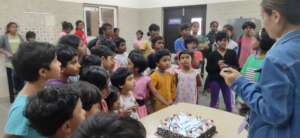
x=95, y=75
x=118, y=78
x=102, y=51
x=155, y=39
x=116, y=29
x=65, y=54
x=221, y=35
x=31, y=57
x=184, y=27
x=70, y=40
x=229, y=27
x=135, y=51
x=67, y=25
x=153, y=27
x=151, y=61
x=265, y=42
x=190, y=39
x=248, y=24
x=78, y=22
x=30, y=34
x=50, y=108
x=193, y=23
x=213, y=22
x=104, y=27
x=88, y=93
x=111, y=99
x=109, y=125
x=140, y=32
x=139, y=62
x=89, y=60
x=118, y=41
x=9, y=25
x=161, y=53
x=186, y=51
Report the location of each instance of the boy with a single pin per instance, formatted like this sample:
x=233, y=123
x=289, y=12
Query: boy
x=106, y=56
x=89, y=95
x=232, y=44
x=99, y=77
x=185, y=31
x=30, y=36
x=121, y=56
x=163, y=81
x=108, y=125
x=70, y=66
x=75, y=42
x=35, y=63
x=55, y=112
x=123, y=79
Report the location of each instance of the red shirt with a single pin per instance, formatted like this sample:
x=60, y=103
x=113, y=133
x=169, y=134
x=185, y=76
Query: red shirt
x=82, y=36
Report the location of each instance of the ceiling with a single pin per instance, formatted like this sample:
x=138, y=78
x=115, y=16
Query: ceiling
x=149, y=3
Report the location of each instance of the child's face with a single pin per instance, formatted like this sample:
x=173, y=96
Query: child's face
x=31, y=39
x=214, y=27
x=159, y=44
x=164, y=63
x=222, y=44
x=129, y=83
x=80, y=26
x=191, y=45
x=94, y=109
x=229, y=33
x=248, y=31
x=256, y=44
x=195, y=28
x=54, y=71
x=185, y=60
x=122, y=48
x=78, y=116
x=109, y=31
x=139, y=36
x=186, y=32
x=108, y=63
x=73, y=67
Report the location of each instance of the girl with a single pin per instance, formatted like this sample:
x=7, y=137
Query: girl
x=66, y=29
x=191, y=43
x=139, y=39
x=188, y=80
x=113, y=102
x=138, y=64
x=158, y=42
x=80, y=32
x=217, y=60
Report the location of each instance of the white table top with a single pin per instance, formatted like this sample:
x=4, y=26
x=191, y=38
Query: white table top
x=227, y=123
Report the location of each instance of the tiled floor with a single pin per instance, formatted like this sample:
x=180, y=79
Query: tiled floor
x=4, y=107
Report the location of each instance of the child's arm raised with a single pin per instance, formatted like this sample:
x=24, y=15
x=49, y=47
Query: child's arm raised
x=156, y=95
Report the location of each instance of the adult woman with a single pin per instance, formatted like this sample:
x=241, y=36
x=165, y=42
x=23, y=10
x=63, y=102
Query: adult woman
x=275, y=99
x=9, y=44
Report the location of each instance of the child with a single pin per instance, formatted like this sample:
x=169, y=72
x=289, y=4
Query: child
x=188, y=79
x=123, y=79
x=138, y=64
x=158, y=42
x=163, y=81
x=79, y=31
x=116, y=33
x=106, y=56
x=185, y=31
x=113, y=102
x=246, y=41
x=90, y=60
x=254, y=62
x=89, y=95
x=35, y=63
x=216, y=61
x=67, y=28
x=107, y=125
x=55, y=112
x=121, y=56
x=191, y=43
x=75, y=42
x=139, y=40
x=99, y=77
x=232, y=44
x=70, y=66
x=30, y=36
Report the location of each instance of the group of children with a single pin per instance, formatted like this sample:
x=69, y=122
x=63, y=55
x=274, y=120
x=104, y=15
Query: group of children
x=75, y=80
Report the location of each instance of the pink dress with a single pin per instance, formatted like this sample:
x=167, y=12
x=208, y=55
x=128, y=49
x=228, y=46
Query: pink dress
x=246, y=49
x=140, y=89
x=187, y=90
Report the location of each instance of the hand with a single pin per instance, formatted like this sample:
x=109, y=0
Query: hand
x=222, y=64
x=230, y=75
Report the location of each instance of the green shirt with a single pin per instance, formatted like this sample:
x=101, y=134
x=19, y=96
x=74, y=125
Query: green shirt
x=249, y=69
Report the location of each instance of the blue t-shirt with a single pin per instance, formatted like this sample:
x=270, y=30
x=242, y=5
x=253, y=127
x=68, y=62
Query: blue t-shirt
x=17, y=124
x=179, y=45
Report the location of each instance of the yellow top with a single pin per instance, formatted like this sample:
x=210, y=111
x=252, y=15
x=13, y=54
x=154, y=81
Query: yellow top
x=146, y=48
x=14, y=42
x=165, y=85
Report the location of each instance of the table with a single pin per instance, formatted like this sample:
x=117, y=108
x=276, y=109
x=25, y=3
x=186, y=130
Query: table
x=227, y=123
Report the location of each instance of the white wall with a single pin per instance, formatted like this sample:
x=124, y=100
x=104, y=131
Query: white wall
x=149, y=16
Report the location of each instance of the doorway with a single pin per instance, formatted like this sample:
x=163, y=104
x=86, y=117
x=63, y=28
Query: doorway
x=174, y=17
